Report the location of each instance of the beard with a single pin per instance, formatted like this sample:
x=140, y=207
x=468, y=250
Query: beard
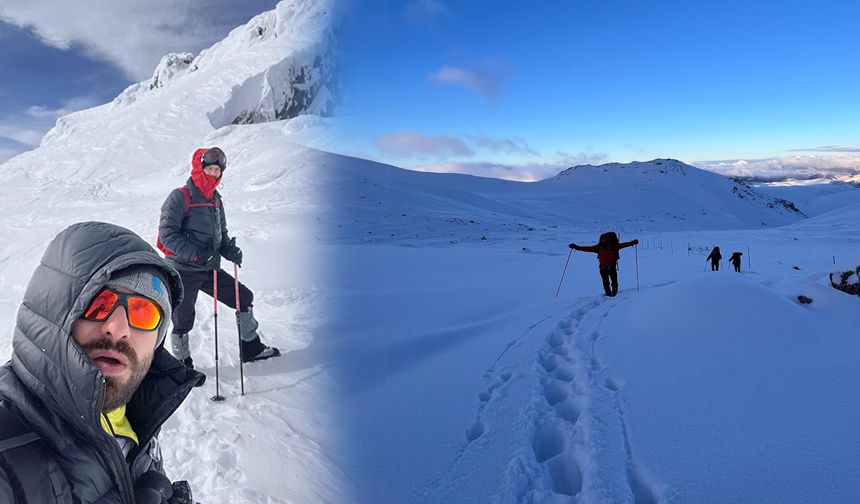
x=118, y=391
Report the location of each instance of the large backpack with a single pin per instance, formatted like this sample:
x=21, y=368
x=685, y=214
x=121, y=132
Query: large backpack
x=612, y=238
x=23, y=453
x=186, y=193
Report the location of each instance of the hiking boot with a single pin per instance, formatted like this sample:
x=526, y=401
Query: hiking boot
x=255, y=350
x=252, y=348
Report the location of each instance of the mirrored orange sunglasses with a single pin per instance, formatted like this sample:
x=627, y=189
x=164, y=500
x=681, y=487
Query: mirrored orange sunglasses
x=141, y=312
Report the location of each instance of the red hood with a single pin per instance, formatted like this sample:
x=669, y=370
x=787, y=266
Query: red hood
x=206, y=183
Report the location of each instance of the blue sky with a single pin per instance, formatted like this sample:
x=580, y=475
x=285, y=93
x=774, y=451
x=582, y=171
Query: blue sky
x=521, y=89
x=57, y=57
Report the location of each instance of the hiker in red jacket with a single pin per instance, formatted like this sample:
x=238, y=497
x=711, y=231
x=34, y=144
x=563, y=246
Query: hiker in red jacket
x=607, y=255
x=192, y=233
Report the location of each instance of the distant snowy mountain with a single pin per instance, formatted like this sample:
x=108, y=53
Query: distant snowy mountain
x=390, y=203
x=689, y=188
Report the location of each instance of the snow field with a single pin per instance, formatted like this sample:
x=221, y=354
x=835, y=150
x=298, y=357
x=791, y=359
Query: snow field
x=640, y=398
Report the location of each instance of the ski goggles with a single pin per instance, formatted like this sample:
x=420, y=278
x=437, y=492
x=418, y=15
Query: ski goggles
x=142, y=313
x=214, y=156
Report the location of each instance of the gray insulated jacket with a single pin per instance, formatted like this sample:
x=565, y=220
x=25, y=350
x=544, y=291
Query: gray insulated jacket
x=193, y=236
x=58, y=392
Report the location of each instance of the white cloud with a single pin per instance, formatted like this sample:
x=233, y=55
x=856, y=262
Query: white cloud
x=526, y=172
x=424, y=10
x=829, y=148
x=810, y=166
x=133, y=35
x=523, y=172
x=486, y=80
x=68, y=106
x=511, y=145
x=21, y=134
x=587, y=156
x=413, y=144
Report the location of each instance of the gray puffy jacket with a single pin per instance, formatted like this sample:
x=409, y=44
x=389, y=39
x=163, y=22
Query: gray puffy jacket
x=58, y=392
x=193, y=236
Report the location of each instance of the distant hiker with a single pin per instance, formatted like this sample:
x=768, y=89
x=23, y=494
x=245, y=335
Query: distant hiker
x=90, y=384
x=192, y=233
x=607, y=256
x=714, y=257
x=735, y=259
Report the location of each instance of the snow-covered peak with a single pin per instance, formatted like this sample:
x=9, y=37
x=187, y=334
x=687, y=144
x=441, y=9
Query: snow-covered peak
x=686, y=183
x=170, y=66
x=655, y=166
x=279, y=65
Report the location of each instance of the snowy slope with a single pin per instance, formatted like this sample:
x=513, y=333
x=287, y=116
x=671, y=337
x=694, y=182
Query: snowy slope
x=118, y=162
x=467, y=380
x=383, y=204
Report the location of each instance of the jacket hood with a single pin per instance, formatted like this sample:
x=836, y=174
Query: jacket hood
x=76, y=264
x=206, y=183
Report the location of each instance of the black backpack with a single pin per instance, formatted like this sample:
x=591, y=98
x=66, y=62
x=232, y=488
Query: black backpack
x=612, y=238
x=23, y=453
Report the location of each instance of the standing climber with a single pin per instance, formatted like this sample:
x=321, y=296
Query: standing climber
x=192, y=233
x=714, y=257
x=735, y=259
x=607, y=256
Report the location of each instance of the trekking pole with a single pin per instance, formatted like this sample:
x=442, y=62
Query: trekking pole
x=563, y=272
x=636, y=249
x=239, y=328
x=217, y=396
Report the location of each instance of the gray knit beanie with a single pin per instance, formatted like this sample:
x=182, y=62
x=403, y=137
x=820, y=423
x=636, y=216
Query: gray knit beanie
x=148, y=282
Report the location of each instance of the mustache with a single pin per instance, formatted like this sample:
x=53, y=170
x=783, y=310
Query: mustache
x=120, y=346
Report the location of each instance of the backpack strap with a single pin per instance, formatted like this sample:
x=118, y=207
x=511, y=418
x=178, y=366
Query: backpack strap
x=15, y=442
x=13, y=432
x=24, y=458
x=189, y=205
x=187, y=194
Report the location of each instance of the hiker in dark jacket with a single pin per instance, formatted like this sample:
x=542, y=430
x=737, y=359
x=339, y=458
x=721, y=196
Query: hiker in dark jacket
x=607, y=256
x=735, y=259
x=89, y=384
x=714, y=257
x=192, y=233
